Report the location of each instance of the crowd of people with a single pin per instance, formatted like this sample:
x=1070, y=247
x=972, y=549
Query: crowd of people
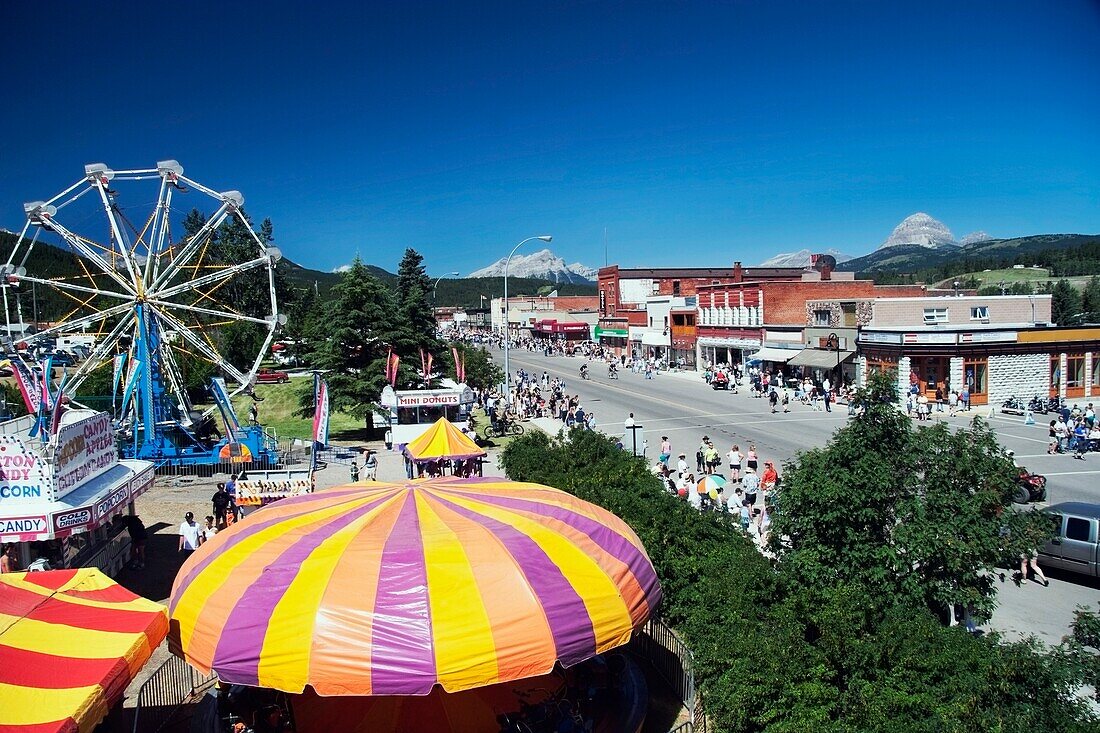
x=1074, y=431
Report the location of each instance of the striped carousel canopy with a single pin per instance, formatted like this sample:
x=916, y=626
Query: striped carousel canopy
x=70, y=643
x=443, y=441
x=391, y=589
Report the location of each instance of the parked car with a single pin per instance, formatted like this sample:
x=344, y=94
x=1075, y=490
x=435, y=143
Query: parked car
x=62, y=359
x=271, y=376
x=1077, y=538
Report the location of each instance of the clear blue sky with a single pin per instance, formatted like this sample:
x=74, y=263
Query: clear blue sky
x=697, y=134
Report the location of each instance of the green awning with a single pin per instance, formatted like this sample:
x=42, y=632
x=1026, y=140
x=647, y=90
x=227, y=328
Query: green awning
x=619, y=333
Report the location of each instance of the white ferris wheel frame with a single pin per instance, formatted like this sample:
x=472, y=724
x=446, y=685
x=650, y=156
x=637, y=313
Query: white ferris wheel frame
x=144, y=282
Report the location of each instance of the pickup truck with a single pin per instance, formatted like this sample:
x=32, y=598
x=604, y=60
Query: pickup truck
x=1076, y=544
x=271, y=376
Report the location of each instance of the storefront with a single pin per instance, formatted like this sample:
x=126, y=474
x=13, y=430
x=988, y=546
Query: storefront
x=559, y=330
x=993, y=365
x=729, y=350
x=58, y=499
x=650, y=343
x=614, y=339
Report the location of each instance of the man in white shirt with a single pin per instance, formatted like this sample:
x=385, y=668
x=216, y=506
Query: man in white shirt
x=629, y=422
x=189, y=535
x=681, y=465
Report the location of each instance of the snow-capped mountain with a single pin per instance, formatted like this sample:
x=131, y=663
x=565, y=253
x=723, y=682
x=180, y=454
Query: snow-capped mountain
x=922, y=229
x=801, y=258
x=544, y=265
x=974, y=238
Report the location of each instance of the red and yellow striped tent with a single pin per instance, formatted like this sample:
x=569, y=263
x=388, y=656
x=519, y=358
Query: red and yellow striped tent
x=70, y=643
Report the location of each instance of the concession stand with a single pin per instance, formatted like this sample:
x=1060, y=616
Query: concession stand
x=58, y=496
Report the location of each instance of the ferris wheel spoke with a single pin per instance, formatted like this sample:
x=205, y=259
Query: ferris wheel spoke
x=22, y=236
x=78, y=244
x=193, y=243
x=182, y=329
x=123, y=250
x=210, y=312
x=209, y=278
x=161, y=230
x=65, y=285
x=78, y=323
x=170, y=368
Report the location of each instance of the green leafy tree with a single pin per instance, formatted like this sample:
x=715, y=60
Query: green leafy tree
x=1065, y=303
x=922, y=515
x=351, y=342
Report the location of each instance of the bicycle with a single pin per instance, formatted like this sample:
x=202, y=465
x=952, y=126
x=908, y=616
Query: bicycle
x=504, y=427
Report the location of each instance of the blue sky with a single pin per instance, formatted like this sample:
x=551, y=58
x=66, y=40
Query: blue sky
x=696, y=134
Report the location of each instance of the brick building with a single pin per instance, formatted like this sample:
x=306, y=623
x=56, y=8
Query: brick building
x=623, y=294
x=775, y=320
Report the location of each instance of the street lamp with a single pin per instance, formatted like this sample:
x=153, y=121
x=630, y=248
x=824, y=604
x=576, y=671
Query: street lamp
x=507, y=337
x=450, y=274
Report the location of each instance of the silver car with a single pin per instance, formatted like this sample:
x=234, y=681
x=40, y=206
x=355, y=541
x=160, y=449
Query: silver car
x=1077, y=538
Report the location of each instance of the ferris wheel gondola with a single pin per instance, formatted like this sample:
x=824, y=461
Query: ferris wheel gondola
x=152, y=297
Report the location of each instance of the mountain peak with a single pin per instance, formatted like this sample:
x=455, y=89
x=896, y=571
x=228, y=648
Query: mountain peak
x=543, y=264
x=920, y=229
x=801, y=258
x=975, y=237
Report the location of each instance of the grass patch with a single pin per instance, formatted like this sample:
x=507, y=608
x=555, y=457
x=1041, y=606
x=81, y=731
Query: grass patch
x=280, y=402
x=1011, y=275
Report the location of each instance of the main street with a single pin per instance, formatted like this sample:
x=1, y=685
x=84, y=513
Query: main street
x=683, y=407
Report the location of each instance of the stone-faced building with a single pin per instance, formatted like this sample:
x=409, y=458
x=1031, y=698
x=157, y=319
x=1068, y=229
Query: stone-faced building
x=998, y=346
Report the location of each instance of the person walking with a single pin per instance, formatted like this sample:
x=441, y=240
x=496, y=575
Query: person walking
x=189, y=535
x=773, y=399
x=220, y=501
x=1031, y=559
x=750, y=483
x=208, y=530
x=666, y=450
x=371, y=465
x=750, y=458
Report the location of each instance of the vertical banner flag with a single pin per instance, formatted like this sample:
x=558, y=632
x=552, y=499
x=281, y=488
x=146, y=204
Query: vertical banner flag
x=58, y=401
x=28, y=385
x=458, y=364
x=423, y=364
x=321, y=416
x=119, y=363
x=428, y=368
x=389, y=369
x=136, y=368
x=47, y=377
x=395, y=360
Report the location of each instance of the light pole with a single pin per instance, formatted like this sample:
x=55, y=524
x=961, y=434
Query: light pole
x=449, y=274
x=507, y=336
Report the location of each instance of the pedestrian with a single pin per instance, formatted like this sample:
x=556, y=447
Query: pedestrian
x=9, y=561
x=681, y=465
x=750, y=457
x=786, y=400
x=713, y=459
x=189, y=535
x=939, y=398
x=700, y=454
x=220, y=502
x=734, y=458
x=1080, y=440
x=750, y=483
x=827, y=395
x=354, y=470
x=231, y=489
x=208, y=531
x=1031, y=558
x=964, y=399
x=629, y=421
x=773, y=399
x=138, y=537
x=371, y=465
x=666, y=450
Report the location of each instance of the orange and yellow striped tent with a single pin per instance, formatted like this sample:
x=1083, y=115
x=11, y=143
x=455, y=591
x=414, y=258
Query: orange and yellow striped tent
x=70, y=643
x=443, y=441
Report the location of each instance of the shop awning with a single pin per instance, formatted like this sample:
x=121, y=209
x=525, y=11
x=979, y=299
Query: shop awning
x=772, y=354
x=819, y=358
x=70, y=644
x=651, y=338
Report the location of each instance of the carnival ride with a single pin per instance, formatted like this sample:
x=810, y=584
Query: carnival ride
x=158, y=300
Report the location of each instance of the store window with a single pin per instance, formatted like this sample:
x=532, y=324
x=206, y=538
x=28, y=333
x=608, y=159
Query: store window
x=1075, y=375
x=979, y=313
x=1055, y=375
x=822, y=316
x=976, y=374
x=881, y=365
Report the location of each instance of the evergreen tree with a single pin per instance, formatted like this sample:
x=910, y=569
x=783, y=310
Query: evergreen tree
x=416, y=327
x=1065, y=304
x=1090, y=299
x=352, y=340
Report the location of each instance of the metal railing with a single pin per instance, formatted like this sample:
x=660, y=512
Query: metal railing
x=673, y=661
x=162, y=696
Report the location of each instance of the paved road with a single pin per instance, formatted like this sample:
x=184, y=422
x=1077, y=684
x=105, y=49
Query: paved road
x=685, y=409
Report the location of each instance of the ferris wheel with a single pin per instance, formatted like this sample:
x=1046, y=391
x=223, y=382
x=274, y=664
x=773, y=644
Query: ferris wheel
x=142, y=270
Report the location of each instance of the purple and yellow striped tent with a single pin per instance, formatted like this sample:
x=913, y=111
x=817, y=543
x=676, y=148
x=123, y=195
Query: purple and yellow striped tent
x=391, y=589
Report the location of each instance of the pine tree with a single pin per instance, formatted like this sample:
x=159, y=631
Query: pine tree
x=1090, y=299
x=416, y=328
x=1065, y=304
x=352, y=341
